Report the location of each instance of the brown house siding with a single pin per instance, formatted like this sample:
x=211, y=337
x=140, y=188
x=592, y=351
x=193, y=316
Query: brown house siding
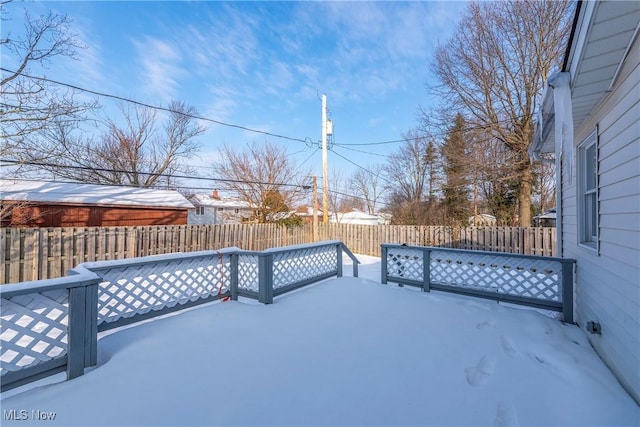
x=50, y=215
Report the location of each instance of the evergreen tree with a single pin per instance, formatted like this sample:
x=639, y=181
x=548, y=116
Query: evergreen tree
x=456, y=186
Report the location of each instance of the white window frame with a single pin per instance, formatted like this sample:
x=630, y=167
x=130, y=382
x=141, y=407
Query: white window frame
x=199, y=210
x=588, y=193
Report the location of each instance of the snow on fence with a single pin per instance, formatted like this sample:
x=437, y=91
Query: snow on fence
x=50, y=326
x=541, y=282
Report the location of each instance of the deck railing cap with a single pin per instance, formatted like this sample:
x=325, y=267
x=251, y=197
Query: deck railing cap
x=473, y=251
x=81, y=278
x=100, y=265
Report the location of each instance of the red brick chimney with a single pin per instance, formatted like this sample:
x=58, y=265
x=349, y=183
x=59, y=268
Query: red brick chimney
x=215, y=195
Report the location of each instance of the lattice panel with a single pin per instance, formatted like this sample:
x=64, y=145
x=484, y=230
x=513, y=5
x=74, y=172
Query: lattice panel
x=248, y=272
x=533, y=278
x=138, y=289
x=33, y=329
x=295, y=266
x=405, y=263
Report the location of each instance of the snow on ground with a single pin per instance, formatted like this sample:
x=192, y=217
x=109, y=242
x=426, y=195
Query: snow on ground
x=347, y=351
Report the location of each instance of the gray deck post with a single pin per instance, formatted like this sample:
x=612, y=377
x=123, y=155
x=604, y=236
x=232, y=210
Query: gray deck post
x=567, y=291
x=76, y=349
x=426, y=270
x=91, y=326
x=265, y=278
x=383, y=264
x=235, y=259
x=339, y=255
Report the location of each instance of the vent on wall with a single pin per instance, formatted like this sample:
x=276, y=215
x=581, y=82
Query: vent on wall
x=594, y=327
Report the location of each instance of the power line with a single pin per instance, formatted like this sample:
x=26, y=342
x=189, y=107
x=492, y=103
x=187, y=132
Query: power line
x=361, y=167
x=155, y=107
x=364, y=152
x=428, y=135
x=161, y=175
x=309, y=157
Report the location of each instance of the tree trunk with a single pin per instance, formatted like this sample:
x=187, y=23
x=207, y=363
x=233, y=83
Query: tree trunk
x=524, y=196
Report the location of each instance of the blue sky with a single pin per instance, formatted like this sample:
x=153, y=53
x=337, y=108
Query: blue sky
x=264, y=65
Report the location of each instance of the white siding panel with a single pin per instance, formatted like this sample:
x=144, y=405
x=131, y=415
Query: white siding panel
x=608, y=282
x=625, y=239
x=613, y=187
x=628, y=221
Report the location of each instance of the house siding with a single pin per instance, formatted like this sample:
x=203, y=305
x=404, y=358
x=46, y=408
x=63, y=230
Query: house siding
x=58, y=215
x=608, y=280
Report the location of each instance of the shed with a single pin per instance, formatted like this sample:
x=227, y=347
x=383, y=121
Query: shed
x=590, y=123
x=355, y=217
x=31, y=203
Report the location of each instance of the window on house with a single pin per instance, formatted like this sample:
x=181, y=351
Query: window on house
x=220, y=209
x=199, y=210
x=588, y=191
x=237, y=210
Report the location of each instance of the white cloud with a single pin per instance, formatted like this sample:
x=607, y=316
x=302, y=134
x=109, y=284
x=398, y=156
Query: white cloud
x=161, y=71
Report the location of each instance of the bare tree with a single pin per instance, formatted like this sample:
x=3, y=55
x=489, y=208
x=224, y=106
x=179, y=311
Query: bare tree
x=544, y=189
x=369, y=185
x=142, y=151
x=409, y=173
x=257, y=172
x=30, y=104
x=493, y=69
x=407, y=169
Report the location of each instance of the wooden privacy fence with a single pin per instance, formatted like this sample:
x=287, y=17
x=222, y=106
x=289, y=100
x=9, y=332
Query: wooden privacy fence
x=366, y=239
x=43, y=253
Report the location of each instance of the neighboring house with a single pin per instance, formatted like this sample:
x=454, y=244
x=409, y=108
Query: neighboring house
x=212, y=209
x=590, y=119
x=546, y=219
x=306, y=213
x=62, y=204
x=483, y=220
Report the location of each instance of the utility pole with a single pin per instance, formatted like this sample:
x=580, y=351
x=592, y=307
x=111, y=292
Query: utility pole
x=315, y=209
x=325, y=174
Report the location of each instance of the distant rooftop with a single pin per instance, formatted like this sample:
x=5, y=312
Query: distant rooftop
x=91, y=194
x=208, y=200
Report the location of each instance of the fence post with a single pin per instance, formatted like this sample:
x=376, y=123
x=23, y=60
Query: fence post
x=567, y=290
x=339, y=255
x=234, y=276
x=426, y=270
x=91, y=326
x=383, y=263
x=76, y=349
x=265, y=278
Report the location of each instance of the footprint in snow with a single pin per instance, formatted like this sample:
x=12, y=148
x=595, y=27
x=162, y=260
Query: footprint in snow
x=507, y=346
x=487, y=324
x=480, y=373
x=505, y=416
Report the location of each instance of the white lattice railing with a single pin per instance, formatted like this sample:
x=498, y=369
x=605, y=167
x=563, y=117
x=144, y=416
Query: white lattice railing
x=529, y=280
x=145, y=287
x=248, y=273
x=269, y=273
x=34, y=329
x=304, y=263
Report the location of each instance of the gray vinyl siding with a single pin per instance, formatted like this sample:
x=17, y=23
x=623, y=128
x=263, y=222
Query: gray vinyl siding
x=608, y=280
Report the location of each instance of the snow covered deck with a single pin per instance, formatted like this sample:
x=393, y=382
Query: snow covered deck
x=346, y=351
